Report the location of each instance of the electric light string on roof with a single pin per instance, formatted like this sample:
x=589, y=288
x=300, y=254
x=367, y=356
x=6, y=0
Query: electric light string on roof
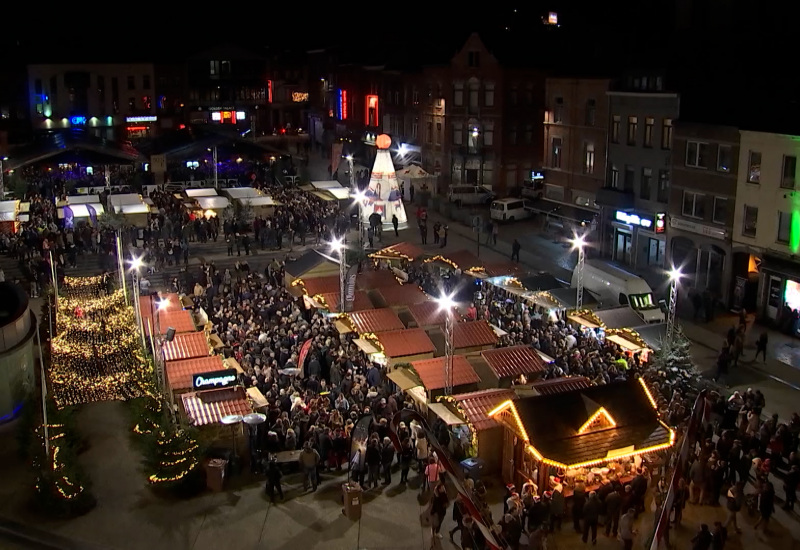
x=463, y=413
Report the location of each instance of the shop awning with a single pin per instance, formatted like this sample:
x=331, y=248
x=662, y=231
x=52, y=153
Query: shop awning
x=208, y=407
x=212, y=203
x=624, y=343
x=342, y=327
x=366, y=346
x=583, y=321
x=257, y=398
x=403, y=379
x=441, y=410
x=564, y=211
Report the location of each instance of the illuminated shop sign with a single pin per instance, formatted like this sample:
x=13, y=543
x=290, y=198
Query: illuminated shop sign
x=661, y=222
x=269, y=91
x=152, y=118
x=633, y=219
x=78, y=120
x=341, y=105
x=228, y=117
x=537, y=175
x=299, y=97
x=213, y=380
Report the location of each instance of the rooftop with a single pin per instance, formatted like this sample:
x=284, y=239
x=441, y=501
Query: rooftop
x=360, y=302
x=410, y=341
x=431, y=372
x=513, y=361
x=473, y=334
x=399, y=296
x=321, y=285
x=428, y=314
x=368, y=280
x=476, y=406
x=180, y=373
x=375, y=320
x=209, y=407
x=186, y=346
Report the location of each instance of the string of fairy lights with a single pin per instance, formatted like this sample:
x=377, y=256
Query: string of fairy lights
x=66, y=488
x=184, y=458
x=96, y=353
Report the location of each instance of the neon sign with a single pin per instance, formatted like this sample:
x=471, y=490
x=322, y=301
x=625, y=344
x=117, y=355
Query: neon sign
x=341, y=107
x=77, y=120
x=633, y=219
x=150, y=118
x=216, y=379
x=269, y=91
x=661, y=222
x=299, y=97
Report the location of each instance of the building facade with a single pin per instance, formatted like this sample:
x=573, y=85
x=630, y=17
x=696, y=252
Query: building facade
x=634, y=200
x=702, y=202
x=98, y=98
x=766, y=223
x=229, y=86
x=575, y=135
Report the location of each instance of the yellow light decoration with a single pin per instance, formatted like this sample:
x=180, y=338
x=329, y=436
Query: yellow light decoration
x=647, y=392
x=460, y=409
x=477, y=270
x=601, y=412
x=442, y=259
x=65, y=487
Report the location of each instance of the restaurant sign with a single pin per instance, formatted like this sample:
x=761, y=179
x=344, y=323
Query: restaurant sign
x=215, y=379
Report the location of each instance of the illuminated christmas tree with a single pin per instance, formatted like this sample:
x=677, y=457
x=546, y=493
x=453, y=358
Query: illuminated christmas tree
x=174, y=458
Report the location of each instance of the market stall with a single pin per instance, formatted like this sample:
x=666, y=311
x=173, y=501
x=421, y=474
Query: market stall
x=473, y=337
x=398, y=297
x=209, y=207
x=187, y=346
x=180, y=320
x=588, y=435
x=311, y=264
x=552, y=386
x=330, y=301
x=431, y=373
x=418, y=177
x=200, y=192
x=263, y=206
x=398, y=253
x=369, y=321
x=514, y=363
x=131, y=206
x=376, y=278
x=427, y=315
x=204, y=408
x=9, y=212
x=180, y=373
x=242, y=194
x=405, y=346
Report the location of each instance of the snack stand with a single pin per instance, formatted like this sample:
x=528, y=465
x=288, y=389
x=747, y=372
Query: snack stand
x=405, y=346
x=588, y=435
x=510, y=363
x=473, y=337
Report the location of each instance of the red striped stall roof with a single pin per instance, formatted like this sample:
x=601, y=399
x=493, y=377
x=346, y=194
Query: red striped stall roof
x=208, y=407
x=473, y=334
x=375, y=320
x=477, y=404
x=180, y=373
x=431, y=372
x=186, y=346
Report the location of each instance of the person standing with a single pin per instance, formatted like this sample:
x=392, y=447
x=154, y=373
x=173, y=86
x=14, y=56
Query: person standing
x=387, y=457
x=790, y=487
x=719, y=537
x=411, y=192
x=761, y=346
x=557, y=507
x=626, y=530
x=458, y=515
x=395, y=223
x=406, y=456
x=373, y=459
x=438, y=510
x=443, y=230
x=733, y=505
x=515, y=248
x=702, y=540
x=591, y=515
x=431, y=473
x=766, y=506
x=436, y=227
x=309, y=462
x=423, y=232
x=613, y=504
x=495, y=233
x=274, y=476
x=578, y=501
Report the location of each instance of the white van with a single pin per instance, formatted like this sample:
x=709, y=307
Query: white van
x=469, y=194
x=510, y=210
x=613, y=285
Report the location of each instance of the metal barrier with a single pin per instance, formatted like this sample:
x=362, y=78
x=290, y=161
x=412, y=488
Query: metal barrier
x=700, y=415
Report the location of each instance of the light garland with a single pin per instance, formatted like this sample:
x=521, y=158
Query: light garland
x=171, y=459
x=439, y=258
x=460, y=409
x=64, y=486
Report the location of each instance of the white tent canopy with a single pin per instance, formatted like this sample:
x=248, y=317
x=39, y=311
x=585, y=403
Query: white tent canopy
x=79, y=199
x=9, y=210
x=212, y=203
x=206, y=192
x=81, y=210
x=262, y=201
x=328, y=184
x=128, y=203
x=412, y=171
x=243, y=193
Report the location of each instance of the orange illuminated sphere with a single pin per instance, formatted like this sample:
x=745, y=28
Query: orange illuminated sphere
x=383, y=141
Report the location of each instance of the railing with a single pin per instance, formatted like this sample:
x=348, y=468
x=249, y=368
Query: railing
x=700, y=414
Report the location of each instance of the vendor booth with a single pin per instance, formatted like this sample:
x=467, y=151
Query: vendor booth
x=330, y=301
x=627, y=339
x=514, y=363
x=263, y=206
x=210, y=207
x=398, y=253
x=180, y=374
x=72, y=200
x=588, y=436
x=314, y=286
x=473, y=337
x=376, y=278
x=188, y=345
x=179, y=320
x=458, y=259
x=82, y=212
x=483, y=433
x=398, y=297
x=431, y=373
x=242, y=194
x=130, y=205
x=405, y=346
x=369, y=321
x=427, y=315
x=200, y=192
x=311, y=264
x=419, y=178
x=203, y=408
x=9, y=212
x=552, y=386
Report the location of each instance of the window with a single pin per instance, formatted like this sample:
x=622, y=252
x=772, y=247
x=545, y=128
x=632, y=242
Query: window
x=415, y=96
x=488, y=95
x=555, y=156
x=458, y=95
x=647, y=182
x=146, y=82
x=784, y=227
x=473, y=135
x=588, y=158
x=429, y=132
x=474, y=59
x=528, y=134
x=754, y=167
x=488, y=134
x=649, y=122
x=225, y=67
x=613, y=177
x=720, y=210
x=693, y=204
x=615, y=120
x=724, y=158
x=438, y=133
x=558, y=112
x=458, y=133
x=473, y=97
x=512, y=135
x=696, y=154
x=131, y=82
x=789, y=171
x=591, y=111
x=663, y=186
x=633, y=128
x=666, y=133
x=529, y=94
x=630, y=176
x=750, y=221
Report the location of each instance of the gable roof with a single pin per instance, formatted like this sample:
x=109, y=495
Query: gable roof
x=179, y=373
x=513, y=361
x=431, y=372
x=409, y=341
x=186, y=346
x=331, y=299
x=321, y=285
x=375, y=320
x=368, y=280
x=472, y=334
x=477, y=405
x=399, y=296
x=305, y=263
x=552, y=423
x=427, y=314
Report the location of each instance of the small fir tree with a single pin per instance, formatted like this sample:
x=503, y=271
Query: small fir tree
x=174, y=457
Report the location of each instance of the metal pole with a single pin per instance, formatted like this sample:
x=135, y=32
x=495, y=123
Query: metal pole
x=448, y=352
x=352, y=175
x=216, y=181
x=44, y=393
x=673, y=302
x=579, y=267
x=342, y=278
x=121, y=266
x=137, y=307
x=54, y=275
x=2, y=180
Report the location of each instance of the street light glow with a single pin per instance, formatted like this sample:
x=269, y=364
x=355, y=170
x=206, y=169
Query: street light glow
x=446, y=302
x=403, y=149
x=136, y=263
x=675, y=275
x=349, y=157
x=337, y=245
x=579, y=242
x=162, y=304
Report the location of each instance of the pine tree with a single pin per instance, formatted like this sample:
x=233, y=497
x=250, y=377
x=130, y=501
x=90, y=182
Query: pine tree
x=670, y=364
x=174, y=457
x=150, y=416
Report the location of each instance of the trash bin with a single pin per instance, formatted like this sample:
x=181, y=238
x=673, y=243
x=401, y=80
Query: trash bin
x=473, y=467
x=215, y=474
x=351, y=492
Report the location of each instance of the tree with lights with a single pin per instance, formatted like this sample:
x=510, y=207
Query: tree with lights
x=173, y=459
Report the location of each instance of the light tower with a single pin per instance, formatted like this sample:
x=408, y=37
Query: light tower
x=447, y=304
x=674, y=278
x=579, y=243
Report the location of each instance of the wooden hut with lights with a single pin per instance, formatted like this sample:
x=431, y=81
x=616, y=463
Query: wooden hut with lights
x=398, y=297
x=427, y=315
x=398, y=254
x=405, y=346
x=368, y=321
x=512, y=363
x=431, y=373
x=376, y=278
x=308, y=266
x=587, y=435
x=330, y=301
x=473, y=337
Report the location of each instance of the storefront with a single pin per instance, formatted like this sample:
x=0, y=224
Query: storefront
x=780, y=293
x=639, y=239
x=588, y=435
x=704, y=252
x=140, y=127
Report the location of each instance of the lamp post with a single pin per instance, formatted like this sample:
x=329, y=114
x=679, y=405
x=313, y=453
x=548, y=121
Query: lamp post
x=447, y=304
x=339, y=246
x=360, y=199
x=352, y=175
x=44, y=389
x=136, y=264
x=579, y=243
x=674, y=278
x=213, y=151
x=121, y=266
x=2, y=178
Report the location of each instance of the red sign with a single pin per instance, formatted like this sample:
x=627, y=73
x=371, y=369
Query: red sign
x=344, y=104
x=661, y=222
x=269, y=91
x=302, y=359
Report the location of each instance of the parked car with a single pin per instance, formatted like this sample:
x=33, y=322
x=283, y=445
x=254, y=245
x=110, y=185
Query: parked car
x=469, y=194
x=510, y=210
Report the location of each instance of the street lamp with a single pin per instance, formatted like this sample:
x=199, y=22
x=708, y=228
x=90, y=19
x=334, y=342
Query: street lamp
x=136, y=264
x=349, y=159
x=339, y=246
x=447, y=304
x=579, y=243
x=674, y=278
x=213, y=152
x=359, y=196
x=2, y=179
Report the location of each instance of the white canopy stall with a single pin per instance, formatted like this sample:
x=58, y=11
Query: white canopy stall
x=130, y=205
x=211, y=206
x=419, y=177
x=9, y=210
